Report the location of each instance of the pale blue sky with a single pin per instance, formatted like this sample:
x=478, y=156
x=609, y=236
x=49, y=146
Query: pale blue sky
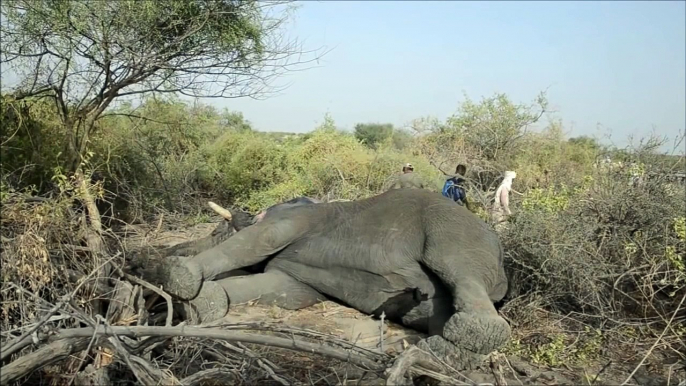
x=621, y=65
x=618, y=64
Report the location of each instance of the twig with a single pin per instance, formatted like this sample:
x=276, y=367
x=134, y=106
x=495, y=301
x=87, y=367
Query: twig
x=156, y=231
x=166, y=296
x=84, y=354
x=21, y=328
x=268, y=368
x=657, y=341
x=381, y=328
x=223, y=376
x=303, y=332
x=117, y=344
x=601, y=371
x=407, y=359
x=12, y=346
x=497, y=370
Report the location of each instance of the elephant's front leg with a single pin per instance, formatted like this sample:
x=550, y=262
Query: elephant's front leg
x=183, y=277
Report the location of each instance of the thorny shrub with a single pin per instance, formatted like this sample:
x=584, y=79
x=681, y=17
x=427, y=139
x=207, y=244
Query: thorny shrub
x=42, y=255
x=605, y=252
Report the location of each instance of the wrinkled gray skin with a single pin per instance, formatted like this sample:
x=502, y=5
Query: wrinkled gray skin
x=413, y=254
x=227, y=228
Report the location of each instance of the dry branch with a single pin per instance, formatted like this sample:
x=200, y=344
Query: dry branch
x=405, y=361
x=233, y=336
x=19, y=343
x=657, y=341
x=265, y=365
x=203, y=377
x=166, y=296
x=94, y=234
x=54, y=352
x=412, y=362
x=496, y=360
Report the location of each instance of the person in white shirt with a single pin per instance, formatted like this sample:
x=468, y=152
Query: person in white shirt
x=501, y=207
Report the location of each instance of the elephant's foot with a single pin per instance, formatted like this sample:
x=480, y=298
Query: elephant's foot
x=211, y=304
x=456, y=357
x=467, y=339
x=179, y=276
x=478, y=333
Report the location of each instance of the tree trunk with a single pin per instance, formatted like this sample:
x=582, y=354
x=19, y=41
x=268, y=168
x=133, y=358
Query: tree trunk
x=93, y=234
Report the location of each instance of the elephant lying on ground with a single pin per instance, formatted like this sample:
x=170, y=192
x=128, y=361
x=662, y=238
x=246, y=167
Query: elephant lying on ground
x=412, y=254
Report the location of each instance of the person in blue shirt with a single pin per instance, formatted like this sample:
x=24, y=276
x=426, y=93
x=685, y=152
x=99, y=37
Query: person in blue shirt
x=454, y=187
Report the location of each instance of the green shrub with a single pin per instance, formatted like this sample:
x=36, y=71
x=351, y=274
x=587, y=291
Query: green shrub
x=605, y=250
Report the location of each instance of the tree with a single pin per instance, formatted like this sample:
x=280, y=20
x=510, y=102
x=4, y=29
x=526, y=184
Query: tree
x=372, y=134
x=401, y=138
x=586, y=142
x=235, y=121
x=85, y=54
x=494, y=125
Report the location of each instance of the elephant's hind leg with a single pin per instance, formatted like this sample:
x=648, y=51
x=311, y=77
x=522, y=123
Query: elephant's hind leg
x=272, y=287
x=469, y=335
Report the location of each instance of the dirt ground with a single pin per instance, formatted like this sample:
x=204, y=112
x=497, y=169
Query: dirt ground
x=348, y=324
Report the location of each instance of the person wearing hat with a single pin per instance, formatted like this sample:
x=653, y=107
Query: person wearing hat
x=408, y=179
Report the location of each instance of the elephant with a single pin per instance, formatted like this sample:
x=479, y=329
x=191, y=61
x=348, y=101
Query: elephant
x=418, y=257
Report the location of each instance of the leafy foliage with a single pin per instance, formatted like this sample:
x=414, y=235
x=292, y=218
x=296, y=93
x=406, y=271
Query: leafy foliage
x=495, y=125
x=86, y=54
x=373, y=133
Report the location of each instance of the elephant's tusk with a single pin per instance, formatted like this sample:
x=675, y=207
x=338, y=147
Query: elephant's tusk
x=221, y=211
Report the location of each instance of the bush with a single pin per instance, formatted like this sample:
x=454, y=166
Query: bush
x=604, y=251
x=42, y=257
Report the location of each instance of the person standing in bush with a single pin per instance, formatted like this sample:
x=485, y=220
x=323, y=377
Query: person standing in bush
x=501, y=207
x=408, y=179
x=454, y=187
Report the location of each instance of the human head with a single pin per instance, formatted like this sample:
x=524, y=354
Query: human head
x=408, y=168
x=461, y=169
